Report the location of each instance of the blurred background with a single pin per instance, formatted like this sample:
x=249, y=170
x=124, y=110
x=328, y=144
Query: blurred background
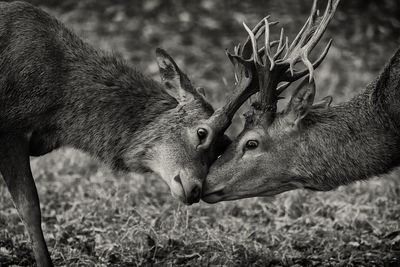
x=95, y=218
x=196, y=33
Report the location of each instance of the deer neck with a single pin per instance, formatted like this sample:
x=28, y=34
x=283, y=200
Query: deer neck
x=385, y=91
x=111, y=107
x=349, y=142
x=355, y=140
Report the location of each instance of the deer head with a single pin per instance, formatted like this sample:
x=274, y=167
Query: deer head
x=260, y=161
x=191, y=135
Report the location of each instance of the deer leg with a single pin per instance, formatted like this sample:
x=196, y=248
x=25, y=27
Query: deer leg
x=16, y=171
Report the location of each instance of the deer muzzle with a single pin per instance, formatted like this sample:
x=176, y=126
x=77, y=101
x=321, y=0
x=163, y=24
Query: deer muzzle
x=213, y=197
x=185, y=189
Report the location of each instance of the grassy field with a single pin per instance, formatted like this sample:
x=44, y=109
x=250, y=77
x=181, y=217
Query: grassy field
x=92, y=217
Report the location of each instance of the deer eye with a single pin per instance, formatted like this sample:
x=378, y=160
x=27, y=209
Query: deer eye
x=202, y=133
x=251, y=144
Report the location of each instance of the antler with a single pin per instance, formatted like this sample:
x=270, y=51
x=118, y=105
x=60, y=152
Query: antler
x=262, y=70
x=273, y=69
x=306, y=40
x=245, y=86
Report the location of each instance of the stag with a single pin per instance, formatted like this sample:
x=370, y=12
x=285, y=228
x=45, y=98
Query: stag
x=307, y=145
x=56, y=91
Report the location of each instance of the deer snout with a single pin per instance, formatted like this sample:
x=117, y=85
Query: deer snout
x=213, y=196
x=187, y=191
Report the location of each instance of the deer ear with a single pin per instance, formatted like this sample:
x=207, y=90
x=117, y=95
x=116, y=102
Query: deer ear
x=301, y=102
x=176, y=83
x=324, y=103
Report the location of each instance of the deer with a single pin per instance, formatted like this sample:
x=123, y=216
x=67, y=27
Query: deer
x=307, y=145
x=58, y=91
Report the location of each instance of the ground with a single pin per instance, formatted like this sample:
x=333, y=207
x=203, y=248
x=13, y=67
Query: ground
x=92, y=217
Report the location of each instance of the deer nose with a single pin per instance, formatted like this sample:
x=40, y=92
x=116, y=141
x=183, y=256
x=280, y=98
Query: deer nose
x=213, y=194
x=192, y=190
x=194, y=195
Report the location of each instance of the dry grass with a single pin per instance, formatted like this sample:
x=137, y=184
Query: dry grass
x=92, y=217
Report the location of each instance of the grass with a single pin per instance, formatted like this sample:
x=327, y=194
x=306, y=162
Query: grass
x=92, y=217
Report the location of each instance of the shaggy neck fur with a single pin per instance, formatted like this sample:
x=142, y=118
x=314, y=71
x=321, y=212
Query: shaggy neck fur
x=119, y=104
x=355, y=140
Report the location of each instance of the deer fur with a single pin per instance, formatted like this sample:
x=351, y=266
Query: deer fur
x=355, y=140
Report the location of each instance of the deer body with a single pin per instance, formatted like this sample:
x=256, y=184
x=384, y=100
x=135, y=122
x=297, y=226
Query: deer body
x=56, y=90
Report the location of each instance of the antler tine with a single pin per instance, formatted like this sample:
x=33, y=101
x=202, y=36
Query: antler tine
x=298, y=74
x=314, y=39
x=319, y=31
x=281, y=45
x=246, y=51
x=258, y=30
x=268, y=46
x=262, y=49
x=309, y=65
x=256, y=58
x=299, y=35
x=282, y=88
x=236, y=49
x=286, y=47
x=305, y=31
x=306, y=40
